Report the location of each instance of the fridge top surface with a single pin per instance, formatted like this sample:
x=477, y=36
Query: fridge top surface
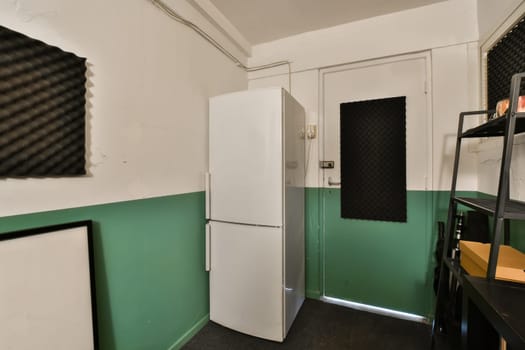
x=236, y=94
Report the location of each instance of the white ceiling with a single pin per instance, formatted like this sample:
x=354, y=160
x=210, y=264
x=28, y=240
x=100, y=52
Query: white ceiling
x=266, y=20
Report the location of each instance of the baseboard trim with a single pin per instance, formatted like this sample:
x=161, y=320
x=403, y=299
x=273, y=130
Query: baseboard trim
x=190, y=333
x=376, y=310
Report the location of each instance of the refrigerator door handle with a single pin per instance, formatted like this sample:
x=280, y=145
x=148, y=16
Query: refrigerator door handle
x=208, y=252
x=207, y=180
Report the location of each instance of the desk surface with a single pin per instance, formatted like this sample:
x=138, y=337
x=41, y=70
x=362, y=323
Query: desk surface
x=502, y=303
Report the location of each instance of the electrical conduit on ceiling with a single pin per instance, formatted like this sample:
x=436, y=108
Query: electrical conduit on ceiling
x=174, y=15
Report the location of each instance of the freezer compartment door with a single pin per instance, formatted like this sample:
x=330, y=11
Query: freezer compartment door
x=246, y=279
x=246, y=157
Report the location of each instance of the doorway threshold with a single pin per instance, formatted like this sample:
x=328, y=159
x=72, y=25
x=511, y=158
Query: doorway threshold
x=376, y=310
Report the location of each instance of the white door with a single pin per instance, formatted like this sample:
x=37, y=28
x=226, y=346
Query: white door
x=364, y=260
x=246, y=279
x=377, y=80
x=246, y=157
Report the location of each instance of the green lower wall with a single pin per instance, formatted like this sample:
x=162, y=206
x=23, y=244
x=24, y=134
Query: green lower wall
x=517, y=229
x=517, y=234
x=152, y=290
x=377, y=263
x=313, y=242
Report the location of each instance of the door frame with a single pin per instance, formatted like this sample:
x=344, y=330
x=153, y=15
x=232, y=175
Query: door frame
x=429, y=184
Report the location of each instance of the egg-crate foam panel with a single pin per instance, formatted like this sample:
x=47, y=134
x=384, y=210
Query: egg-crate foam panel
x=373, y=159
x=42, y=108
x=504, y=60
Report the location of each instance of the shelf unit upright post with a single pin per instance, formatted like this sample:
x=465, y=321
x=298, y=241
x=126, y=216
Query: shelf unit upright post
x=502, y=208
x=503, y=196
x=451, y=219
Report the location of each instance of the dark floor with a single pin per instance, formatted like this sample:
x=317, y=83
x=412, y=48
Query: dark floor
x=326, y=326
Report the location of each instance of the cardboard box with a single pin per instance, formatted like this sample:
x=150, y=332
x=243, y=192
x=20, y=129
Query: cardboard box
x=475, y=256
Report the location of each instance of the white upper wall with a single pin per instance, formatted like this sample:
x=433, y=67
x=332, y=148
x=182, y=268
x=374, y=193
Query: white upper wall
x=492, y=13
x=442, y=24
x=148, y=87
x=455, y=88
x=448, y=30
x=495, y=18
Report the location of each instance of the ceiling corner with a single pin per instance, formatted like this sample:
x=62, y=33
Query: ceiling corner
x=222, y=24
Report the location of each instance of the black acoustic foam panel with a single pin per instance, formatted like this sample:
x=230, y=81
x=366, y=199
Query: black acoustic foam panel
x=42, y=108
x=504, y=60
x=373, y=160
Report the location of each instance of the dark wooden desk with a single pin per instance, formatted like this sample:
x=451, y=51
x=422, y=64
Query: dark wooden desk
x=502, y=307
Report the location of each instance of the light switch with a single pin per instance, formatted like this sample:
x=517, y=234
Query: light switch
x=311, y=131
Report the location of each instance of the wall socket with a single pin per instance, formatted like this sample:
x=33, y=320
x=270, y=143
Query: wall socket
x=311, y=131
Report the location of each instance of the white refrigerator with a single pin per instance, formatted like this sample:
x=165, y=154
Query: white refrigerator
x=255, y=207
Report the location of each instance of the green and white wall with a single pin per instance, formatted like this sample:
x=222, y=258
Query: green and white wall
x=147, y=140
x=149, y=83
x=377, y=263
x=395, y=270
x=495, y=18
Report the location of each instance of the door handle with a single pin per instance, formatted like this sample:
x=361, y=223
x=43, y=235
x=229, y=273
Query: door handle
x=207, y=180
x=207, y=249
x=333, y=183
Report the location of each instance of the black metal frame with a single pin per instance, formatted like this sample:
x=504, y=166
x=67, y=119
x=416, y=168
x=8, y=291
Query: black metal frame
x=498, y=307
x=507, y=127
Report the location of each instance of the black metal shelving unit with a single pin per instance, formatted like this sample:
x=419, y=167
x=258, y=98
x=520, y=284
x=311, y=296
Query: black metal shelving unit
x=501, y=208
